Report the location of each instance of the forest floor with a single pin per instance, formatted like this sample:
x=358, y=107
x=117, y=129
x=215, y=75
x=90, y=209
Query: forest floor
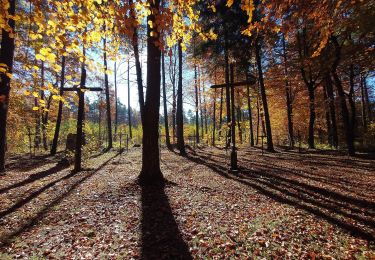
x=280, y=205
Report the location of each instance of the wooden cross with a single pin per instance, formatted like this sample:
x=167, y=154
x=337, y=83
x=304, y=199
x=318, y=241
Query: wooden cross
x=80, y=118
x=232, y=85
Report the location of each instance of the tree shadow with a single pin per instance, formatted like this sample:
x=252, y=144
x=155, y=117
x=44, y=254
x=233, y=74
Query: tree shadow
x=351, y=214
x=31, y=220
x=161, y=238
x=36, y=176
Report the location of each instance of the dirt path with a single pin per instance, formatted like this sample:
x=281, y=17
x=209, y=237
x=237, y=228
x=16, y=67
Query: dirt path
x=283, y=205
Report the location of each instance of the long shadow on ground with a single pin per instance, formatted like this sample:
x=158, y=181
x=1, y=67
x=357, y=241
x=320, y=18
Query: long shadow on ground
x=161, y=238
x=31, y=221
x=353, y=215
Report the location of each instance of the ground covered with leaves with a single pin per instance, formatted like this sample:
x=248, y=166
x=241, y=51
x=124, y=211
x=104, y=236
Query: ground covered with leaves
x=285, y=205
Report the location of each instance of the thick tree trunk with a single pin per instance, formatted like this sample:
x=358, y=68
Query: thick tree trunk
x=6, y=57
x=59, y=112
x=263, y=96
x=151, y=172
x=108, y=100
x=129, y=106
x=167, y=138
x=332, y=110
x=250, y=117
x=196, y=105
x=180, y=115
x=344, y=109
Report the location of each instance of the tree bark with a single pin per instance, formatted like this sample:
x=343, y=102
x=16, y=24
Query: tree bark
x=344, y=109
x=263, y=96
x=288, y=94
x=59, y=112
x=250, y=117
x=332, y=110
x=129, y=106
x=180, y=116
x=167, y=138
x=227, y=88
x=6, y=57
x=138, y=67
x=116, y=101
x=151, y=172
x=196, y=105
x=80, y=118
x=107, y=97
x=363, y=104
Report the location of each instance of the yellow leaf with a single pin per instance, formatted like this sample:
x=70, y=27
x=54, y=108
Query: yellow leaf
x=35, y=108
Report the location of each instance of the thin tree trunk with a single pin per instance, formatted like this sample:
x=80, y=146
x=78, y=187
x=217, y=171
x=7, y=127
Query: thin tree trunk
x=351, y=98
x=258, y=120
x=167, y=139
x=214, y=117
x=239, y=120
x=180, y=116
x=151, y=172
x=116, y=101
x=196, y=105
x=310, y=140
x=200, y=101
x=250, y=117
x=221, y=108
x=264, y=96
x=59, y=112
x=363, y=105
x=6, y=57
x=369, y=111
x=288, y=93
x=327, y=115
x=129, y=106
x=138, y=67
x=108, y=100
x=227, y=88
x=42, y=113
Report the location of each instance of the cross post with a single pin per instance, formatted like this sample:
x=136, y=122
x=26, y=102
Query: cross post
x=232, y=85
x=80, y=118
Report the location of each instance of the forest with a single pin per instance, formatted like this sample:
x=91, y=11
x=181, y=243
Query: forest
x=195, y=129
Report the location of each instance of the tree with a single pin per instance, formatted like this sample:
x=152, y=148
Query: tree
x=151, y=172
x=6, y=60
x=179, y=114
x=167, y=138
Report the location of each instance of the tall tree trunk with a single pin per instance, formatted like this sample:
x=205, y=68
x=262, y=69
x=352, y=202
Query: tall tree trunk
x=363, y=104
x=332, y=110
x=37, y=137
x=204, y=108
x=129, y=106
x=310, y=139
x=151, y=172
x=258, y=120
x=180, y=116
x=116, y=101
x=344, y=109
x=196, y=105
x=351, y=99
x=174, y=101
x=167, y=139
x=214, y=117
x=80, y=118
x=250, y=116
x=138, y=67
x=369, y=111
x=263, y=95
x=59, y=112
x=42, y=114
x=227, y=87
x=239, y=119
x=107, y=97
x=6, y=57
x=327, y=115
x=200, y=101
x=288, y=94
x=221, y=108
